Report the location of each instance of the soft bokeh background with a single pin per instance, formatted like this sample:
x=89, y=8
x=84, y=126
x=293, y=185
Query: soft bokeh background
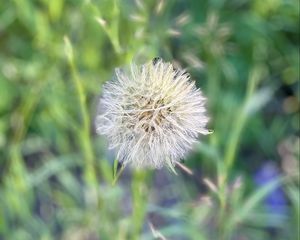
x=56, y=175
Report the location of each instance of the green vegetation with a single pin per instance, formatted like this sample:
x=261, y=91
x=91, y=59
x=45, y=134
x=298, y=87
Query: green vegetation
x=59, y=181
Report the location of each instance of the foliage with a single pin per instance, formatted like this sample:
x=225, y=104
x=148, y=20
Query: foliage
x=56, y=175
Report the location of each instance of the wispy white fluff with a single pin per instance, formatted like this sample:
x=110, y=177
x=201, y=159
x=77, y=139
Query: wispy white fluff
x=151, y=114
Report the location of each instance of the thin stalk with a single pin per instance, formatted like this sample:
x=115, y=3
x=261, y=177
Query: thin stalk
x=18, y=175
x=84, y=131
x=139, y=196
x=231, y=150
x=241, y=119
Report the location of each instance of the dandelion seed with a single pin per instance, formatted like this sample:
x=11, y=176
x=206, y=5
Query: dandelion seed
x=151, y=114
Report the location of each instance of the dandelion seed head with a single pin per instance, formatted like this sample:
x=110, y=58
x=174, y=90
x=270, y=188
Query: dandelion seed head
x=151, y=114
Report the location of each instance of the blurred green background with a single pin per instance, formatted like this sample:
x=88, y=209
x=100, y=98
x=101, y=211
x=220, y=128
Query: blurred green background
x=56, y=175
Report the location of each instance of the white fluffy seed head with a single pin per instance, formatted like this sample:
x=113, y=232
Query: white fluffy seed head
x=151, y=114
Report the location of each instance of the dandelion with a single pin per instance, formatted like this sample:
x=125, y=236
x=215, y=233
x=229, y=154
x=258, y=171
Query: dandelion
x=151, y=114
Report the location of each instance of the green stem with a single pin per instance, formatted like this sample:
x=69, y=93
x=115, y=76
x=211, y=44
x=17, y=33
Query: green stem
x=84, y=132
x=139, y=195
x=240, y=121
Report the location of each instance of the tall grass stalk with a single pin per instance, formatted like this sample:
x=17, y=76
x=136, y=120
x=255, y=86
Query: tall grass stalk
x=224, y=168
x=17, y=179
x=240, y=120
x=84, y=136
